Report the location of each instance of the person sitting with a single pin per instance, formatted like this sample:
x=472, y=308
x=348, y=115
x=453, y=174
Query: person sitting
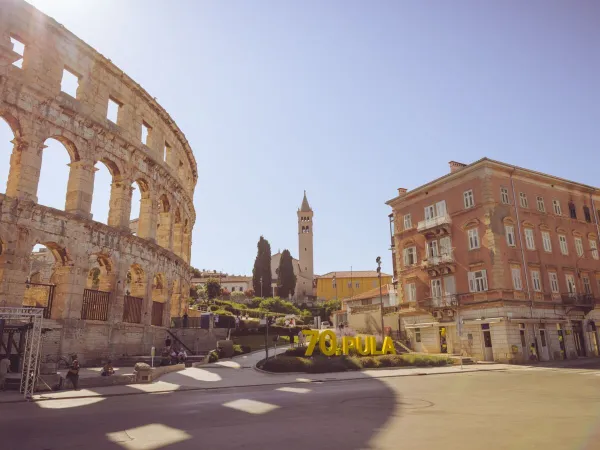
x=181, y=356
x=108, y=369
x=173, y=357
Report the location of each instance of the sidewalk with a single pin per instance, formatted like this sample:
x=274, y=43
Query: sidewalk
x=240, y=372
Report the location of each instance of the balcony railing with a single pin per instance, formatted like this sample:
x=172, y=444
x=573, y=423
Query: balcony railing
x=432, y=261
x=445, y=301
x=432, y=223
x=572, y=298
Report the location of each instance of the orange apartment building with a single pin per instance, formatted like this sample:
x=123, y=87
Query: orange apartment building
x=498, y=262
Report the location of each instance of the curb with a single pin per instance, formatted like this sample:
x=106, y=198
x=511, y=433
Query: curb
x=216, y=388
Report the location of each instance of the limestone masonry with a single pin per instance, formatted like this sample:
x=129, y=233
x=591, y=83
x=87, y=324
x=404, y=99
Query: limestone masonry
x=110, y=292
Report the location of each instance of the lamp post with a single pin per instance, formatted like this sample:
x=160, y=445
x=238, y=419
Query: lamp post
x=335, y=285
x=378, y=261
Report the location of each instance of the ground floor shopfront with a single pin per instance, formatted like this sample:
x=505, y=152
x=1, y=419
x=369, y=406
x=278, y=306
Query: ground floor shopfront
x=506, y=334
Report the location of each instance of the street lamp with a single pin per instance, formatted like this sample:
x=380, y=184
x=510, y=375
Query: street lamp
x=378, y=261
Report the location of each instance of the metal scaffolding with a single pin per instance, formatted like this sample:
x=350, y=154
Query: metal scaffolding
x=33, y=318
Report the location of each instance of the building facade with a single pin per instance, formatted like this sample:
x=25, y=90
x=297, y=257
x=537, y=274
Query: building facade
x=233, y=283
x=107, y=291
x=500, y=263
x=345, y=284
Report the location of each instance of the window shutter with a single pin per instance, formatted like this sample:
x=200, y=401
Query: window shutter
x=406, y=257
x=440, y=208
x=471, y=282
x=445, y=246
x=485, y=284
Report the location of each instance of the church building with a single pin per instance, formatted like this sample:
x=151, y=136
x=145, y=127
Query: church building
x=303, y=267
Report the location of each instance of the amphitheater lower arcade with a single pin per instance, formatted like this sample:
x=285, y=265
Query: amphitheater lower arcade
x=106, y=290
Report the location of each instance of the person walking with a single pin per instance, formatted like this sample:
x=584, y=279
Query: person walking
x=4, y=369
x=73, y=373
x=292, y=336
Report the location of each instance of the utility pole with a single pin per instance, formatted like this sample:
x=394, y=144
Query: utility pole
x=378, y=261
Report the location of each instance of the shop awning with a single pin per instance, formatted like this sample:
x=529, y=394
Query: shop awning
x=478, y=321
x=412, y=326
x=544, y=320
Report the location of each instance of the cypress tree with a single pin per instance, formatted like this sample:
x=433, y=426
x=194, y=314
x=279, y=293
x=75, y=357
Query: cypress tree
x=262, y=268
x=286, y=282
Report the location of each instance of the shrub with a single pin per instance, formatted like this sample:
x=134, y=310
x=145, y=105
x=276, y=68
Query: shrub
x=286, y=364
x=213, y=356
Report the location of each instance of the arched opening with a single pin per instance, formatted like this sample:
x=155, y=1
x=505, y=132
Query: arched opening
x=44, y=261
x=135, y=293
x=177, y=234
x=163, y=226
x=96, y=295
x=6, y=147
x=106, y=173
x=55, y=171
x=177, y=308
x=141, y=209
x=159, y=297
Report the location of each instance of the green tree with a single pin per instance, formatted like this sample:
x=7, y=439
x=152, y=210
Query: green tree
x=195, y=272
x=213, y=288
x=237, y=297
x=278, y=305
x=262, y=268
x=286, y=279
x=331, y=306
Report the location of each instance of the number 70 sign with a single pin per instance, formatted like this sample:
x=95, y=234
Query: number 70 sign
x=364, y=346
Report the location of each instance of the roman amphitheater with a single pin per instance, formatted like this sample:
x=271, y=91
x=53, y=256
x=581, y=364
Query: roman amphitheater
x=105, y=289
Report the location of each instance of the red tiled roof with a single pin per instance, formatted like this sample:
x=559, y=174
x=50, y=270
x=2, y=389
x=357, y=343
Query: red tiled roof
x=373, y=293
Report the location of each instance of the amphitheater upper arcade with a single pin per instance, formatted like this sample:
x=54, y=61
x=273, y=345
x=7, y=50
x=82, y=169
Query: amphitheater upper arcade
x=163, y=167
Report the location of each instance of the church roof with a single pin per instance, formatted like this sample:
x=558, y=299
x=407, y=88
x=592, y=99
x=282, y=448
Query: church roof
x=305, y=206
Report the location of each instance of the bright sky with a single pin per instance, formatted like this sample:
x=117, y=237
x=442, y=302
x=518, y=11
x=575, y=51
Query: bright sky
x=346, y=99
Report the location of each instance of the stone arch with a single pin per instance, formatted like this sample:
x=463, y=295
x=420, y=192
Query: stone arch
x=187, y=241
x=100, y=274
x=107, y=176
x=178, y=244
x=9, y=133
x=508, y=220
x=141, y=223
x=159, y=298
x=164, y=224
x=62, y=177
x=135, y=284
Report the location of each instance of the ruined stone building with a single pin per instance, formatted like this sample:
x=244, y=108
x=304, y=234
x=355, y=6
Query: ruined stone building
x=108, y=290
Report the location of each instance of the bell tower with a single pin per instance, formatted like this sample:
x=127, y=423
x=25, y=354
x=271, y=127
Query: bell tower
x=304, y=285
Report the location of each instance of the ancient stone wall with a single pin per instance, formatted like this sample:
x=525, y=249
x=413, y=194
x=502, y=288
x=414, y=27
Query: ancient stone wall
x=163, y=167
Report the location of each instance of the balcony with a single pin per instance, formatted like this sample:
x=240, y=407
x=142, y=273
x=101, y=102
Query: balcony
x=585, y=301
x=439, y=265
x=445, y=301
x=435, y=227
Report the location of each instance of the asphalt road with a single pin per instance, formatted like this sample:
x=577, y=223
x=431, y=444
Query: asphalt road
x=520, y=409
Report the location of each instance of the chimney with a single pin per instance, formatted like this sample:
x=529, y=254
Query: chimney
x=456, y=166
x=402, y=191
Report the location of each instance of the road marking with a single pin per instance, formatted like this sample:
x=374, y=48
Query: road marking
x=251, y=406
x=294, y=390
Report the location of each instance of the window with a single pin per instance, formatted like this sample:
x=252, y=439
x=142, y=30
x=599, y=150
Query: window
x=504, y=196
x=473, y=239
x=410, y=290
x=233, y=289
x=436, y=288
x=562, y=239
x=556, y=205
x=146, y=130
x=570, y=284
x=417, y=335
x=469, y=200
x=540, y=204
x=553, y=282
x=537, y=281
x=516, y=278
x=529, y=240
x=546, y=241
x=594, y=248
x=334, y=283
x=69, y=83
x=365, y=302
x=587, y=287
x=523, y=200
x=579, y=246
x=167, y=151
x=432, y=249
x=19, y=48
x=407, y=222
x=437, y=210
x=112, y=113
x=410, y=256
x=586, y=214
x=478, y=281
x=349, y=284
x=510, y=235
x=572, y=210
x=357, y=284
